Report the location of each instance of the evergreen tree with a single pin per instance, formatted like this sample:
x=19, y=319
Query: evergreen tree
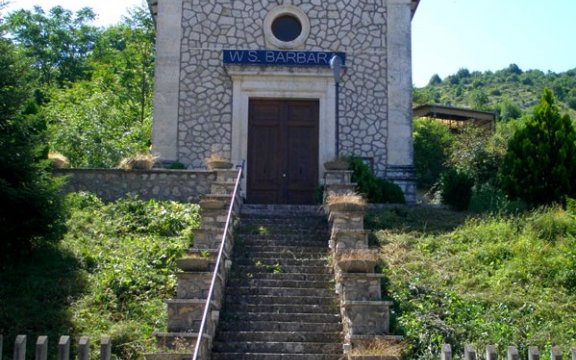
x=540, y=164
x=30, y=203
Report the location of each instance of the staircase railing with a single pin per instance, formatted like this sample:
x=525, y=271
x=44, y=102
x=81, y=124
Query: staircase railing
x=218, y=262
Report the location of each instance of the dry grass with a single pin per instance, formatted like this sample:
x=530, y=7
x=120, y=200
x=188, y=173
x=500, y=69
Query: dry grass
x=351, y=198
x=59, y=161
x=217, y=157
x=380, y=346
x=138, y=162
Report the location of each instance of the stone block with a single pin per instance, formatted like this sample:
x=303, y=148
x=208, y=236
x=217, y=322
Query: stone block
x=348, y=239
x=337, y=177
x=196, y=286
x=347, y=220
x=361, y=287
x=185, y=315
x=366, y=317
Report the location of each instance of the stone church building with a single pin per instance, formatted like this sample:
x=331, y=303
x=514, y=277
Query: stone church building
x=252, y=80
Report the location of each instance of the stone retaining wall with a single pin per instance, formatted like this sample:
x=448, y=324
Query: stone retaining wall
x=159, y=184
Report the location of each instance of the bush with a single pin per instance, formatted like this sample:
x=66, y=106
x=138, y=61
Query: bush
x=375, y=190
x=456, y=189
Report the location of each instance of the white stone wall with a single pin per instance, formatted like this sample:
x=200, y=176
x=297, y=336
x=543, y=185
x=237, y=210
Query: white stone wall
x=357, y=27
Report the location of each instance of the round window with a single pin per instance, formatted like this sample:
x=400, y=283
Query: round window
x=286, y=28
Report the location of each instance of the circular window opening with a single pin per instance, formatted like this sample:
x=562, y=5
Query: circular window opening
x=286, y=28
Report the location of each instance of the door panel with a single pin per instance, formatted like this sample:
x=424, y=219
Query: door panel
x=282, y=151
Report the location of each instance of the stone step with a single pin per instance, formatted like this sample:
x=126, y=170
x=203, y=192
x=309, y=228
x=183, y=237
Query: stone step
x=263, y=210
x=265, y=300
x=277, y=347
x=287, y=269
x=290, y=336
x=275, y=317
x=284, y=276
x=267, y=243
x=283, y=308
x=273, y=291
x=282, y=326
x=285, y=252
x=266, y=262
x=265, y=356
x=280, y=283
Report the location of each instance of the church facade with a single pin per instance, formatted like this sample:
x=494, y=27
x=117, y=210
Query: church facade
x=285, y=86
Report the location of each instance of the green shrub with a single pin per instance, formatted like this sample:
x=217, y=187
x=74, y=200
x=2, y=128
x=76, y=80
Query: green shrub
x=456, y=189
x=375, y=190
x=540, y=164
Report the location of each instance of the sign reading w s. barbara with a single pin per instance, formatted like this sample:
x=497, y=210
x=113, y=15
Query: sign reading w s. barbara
x=276, y=57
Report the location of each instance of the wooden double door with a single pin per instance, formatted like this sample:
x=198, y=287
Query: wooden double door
x=282, y=151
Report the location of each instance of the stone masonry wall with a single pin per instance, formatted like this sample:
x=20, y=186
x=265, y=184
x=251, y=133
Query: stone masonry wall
x=112, y=184
x=356, y=27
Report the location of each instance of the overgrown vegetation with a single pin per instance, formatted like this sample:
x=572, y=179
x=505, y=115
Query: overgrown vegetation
x=492, y=280
x=109, y=275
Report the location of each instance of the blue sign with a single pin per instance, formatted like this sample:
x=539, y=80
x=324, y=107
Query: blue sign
x=275, y=57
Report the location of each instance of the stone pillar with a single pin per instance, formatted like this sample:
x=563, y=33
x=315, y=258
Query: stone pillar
x=167, y=80
x=400, y=150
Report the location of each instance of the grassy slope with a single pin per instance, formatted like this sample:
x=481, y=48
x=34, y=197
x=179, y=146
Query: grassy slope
x=492, y=280
x=109, y=275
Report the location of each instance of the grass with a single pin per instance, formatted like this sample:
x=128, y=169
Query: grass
x=108, y=276
x=490, y=280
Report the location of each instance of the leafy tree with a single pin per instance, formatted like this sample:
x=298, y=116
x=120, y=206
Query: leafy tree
x=30, y=204
x=58, y=42
x=97, y=122
x=540, y=164
x=432, y=142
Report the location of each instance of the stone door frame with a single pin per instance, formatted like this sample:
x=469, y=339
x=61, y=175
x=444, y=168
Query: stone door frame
x=280, y=83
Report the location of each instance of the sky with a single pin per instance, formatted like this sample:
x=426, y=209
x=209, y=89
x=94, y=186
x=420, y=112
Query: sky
x=448, y=35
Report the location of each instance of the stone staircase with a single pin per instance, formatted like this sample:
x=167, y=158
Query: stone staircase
x=280, y=299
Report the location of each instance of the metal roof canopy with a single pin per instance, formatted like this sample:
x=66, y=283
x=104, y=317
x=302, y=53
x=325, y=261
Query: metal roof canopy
x=455, y=117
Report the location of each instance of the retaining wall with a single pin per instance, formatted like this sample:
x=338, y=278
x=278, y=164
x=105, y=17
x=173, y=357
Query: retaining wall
x=159, y=184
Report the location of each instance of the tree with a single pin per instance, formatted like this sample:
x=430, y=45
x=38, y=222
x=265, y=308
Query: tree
x=432, y=142
x=97, y=122
x=30, y=203
x=540, y=164
x=58, y=43
x=435, y=80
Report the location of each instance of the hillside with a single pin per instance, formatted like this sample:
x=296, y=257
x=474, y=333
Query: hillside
x=508, y=91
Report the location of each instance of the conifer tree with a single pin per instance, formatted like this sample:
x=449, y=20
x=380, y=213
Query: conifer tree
x=540, y=164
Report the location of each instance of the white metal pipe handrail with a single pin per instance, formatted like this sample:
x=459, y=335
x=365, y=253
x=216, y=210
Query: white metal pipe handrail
x=218, y=262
